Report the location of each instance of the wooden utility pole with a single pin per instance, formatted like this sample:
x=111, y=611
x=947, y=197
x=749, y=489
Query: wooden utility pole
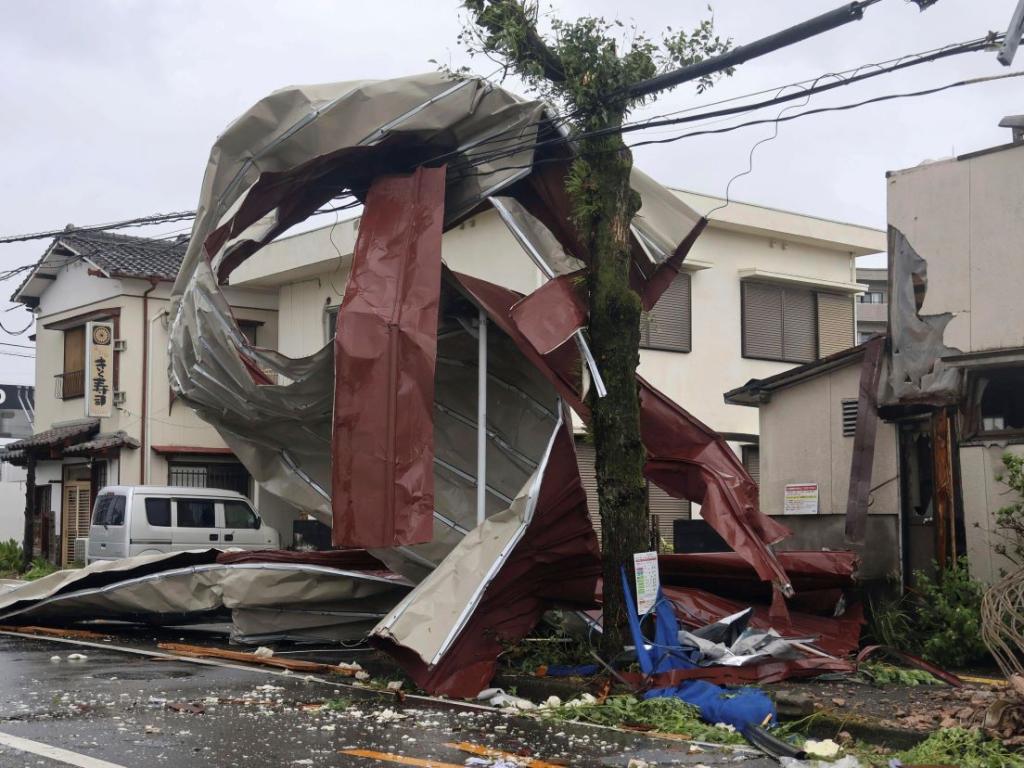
x=30, y=512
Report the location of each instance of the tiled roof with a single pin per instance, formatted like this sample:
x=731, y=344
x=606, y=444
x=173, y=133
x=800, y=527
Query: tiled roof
x=102, y=442
x=117, y=255
x=67, y=431
x=126, y=255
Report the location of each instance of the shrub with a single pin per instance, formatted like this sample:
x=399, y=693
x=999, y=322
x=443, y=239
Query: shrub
x=947, y=629
x=40, y=568
x=10, y=556
x=1010, y=519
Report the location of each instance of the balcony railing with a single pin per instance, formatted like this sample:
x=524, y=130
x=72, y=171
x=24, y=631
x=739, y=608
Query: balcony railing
x=69, y=385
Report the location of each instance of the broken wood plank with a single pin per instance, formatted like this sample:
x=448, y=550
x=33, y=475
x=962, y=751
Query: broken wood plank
x=292, y=665
x=73, y=634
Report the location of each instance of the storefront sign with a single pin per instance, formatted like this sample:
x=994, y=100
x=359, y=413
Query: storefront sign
x=99, y=385
x=801, y=499
x=645, y=564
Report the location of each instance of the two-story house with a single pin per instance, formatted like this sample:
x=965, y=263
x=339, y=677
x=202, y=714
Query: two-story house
x=89, y=276
x=761, y=291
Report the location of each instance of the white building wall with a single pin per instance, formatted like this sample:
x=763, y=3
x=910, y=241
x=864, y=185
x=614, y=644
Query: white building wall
x=311, y=269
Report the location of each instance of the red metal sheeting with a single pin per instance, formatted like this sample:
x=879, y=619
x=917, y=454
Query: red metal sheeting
x=552, y=313
x=556, y=563
x=819, y=574
x=687, y=458
x=838, y=636
x=385, y=352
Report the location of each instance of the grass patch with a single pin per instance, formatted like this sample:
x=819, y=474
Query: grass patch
x=963, y=747
x=662, y=714
x=881, y=673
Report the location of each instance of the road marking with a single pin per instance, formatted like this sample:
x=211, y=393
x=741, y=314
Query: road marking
x=55, y=753
x=401, y=759
x=481, y=751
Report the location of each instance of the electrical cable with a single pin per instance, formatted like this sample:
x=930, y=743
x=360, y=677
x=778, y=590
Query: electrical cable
x=900, y=63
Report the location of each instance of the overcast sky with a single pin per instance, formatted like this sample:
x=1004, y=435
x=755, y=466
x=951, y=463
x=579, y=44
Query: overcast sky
x=110, y=106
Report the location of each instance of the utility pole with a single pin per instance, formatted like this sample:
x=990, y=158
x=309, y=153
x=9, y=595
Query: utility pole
x=786, y=37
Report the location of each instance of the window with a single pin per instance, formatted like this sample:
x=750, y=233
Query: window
x=158, y=512
x=249, y=329
x=872, y=297
x=71, y=382
x=109, y=510
x=238, y=514
x=997, y=403
x=330, y=322
x=792, y=324
x=668, y=325
x=752, y=461
x=664, y=509
x=226, y=475
x=196, y=513
x=849, y=418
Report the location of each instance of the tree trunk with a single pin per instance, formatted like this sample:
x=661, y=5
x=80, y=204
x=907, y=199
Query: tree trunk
x=604, y=205
x=30, y=511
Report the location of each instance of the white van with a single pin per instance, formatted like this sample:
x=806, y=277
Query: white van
x=130, y=520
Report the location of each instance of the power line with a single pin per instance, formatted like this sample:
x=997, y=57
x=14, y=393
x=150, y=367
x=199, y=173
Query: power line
x=843, y=79
x=19, y=346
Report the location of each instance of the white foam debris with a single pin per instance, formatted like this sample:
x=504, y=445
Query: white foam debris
x=77, y=657
x=263, y=652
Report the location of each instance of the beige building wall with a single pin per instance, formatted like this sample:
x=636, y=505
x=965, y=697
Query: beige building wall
x=965, y=217
x=802, y=441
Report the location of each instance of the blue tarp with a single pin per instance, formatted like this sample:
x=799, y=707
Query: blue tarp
x=739, y=707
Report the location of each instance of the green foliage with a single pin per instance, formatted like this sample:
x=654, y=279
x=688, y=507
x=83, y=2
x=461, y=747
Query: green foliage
x=662, y=714
x=881, y=673
x=939, y=620
x=10, y=556
x=947, y=627
x=1010, y=519
x=587, y=64
x=967, y=748
x=890, y=622
x=40, y=568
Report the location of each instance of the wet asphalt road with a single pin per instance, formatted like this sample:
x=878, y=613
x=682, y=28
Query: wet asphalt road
x=135, y=711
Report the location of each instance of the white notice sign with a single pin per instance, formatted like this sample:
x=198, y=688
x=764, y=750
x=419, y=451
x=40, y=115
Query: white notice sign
x=801, y=499
x=647, y=580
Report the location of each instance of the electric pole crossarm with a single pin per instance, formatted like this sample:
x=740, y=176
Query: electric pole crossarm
x=1013, y=35
x=795, y=34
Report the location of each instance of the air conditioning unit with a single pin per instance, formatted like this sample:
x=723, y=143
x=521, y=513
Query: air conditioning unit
x=81, y=549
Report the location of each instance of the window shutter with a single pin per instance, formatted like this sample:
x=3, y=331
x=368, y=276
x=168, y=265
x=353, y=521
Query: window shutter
x=762, y=320
x=835, y=323
x=667, y=510
x=668, y=324
x=849, y=418
x=588, y=474
x=798, y=326
x=752, y=462
x=74, y=349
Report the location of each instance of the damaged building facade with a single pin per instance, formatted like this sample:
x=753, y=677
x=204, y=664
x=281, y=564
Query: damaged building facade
x=720, y=321
x=915, y=440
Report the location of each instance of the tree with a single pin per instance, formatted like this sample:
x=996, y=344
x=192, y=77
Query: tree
x=583, y=67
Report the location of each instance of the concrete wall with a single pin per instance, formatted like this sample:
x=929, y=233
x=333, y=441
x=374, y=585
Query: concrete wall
x=12, y=500
x=983, y=496
x=965, y=217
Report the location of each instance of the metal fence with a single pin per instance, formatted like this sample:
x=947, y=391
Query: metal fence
x=226, y=476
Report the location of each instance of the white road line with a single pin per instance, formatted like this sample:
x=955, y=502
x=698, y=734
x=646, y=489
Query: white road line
x=54, y=753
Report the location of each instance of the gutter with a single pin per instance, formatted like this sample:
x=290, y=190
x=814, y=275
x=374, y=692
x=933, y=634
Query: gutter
x=144, y=427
